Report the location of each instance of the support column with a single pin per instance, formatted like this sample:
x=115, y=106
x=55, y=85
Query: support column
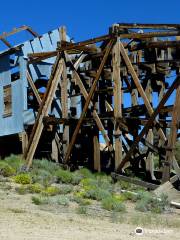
x=150, y=136
x=172, y=138
x=24, y=139
x=116, y=59
x=97, y=160
x=64, y=97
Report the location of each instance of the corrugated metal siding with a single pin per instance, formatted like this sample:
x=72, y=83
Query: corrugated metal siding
x=20, y=113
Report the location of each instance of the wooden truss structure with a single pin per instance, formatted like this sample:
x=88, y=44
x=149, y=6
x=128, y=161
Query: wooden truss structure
x=125, y=82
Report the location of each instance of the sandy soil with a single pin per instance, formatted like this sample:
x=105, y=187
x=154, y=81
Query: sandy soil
x=22, y=220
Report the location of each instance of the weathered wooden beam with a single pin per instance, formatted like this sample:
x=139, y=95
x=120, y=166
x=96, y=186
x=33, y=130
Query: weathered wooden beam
x=97, y=158
x=43, y=110
x=148, y=26
x=35, y=91
x=172, y=138
x=85, y=95
x=116, y=77
x=139, y=87
x=150, y=136
x=149, y=123
x=73, y=139
x=64, y=95
x=138, y=182
x=157, y=44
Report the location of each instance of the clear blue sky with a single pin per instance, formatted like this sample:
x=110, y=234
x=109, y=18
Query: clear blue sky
x=85, y=19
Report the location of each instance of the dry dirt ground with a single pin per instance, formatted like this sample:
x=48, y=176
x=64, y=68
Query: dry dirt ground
x=20, y=219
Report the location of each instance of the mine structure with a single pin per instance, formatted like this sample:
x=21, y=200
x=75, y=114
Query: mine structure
x=110, y=103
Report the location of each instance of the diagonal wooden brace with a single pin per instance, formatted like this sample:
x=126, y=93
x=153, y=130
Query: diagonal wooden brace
x=91, y=93
x=95, y=114
x=139, y=87
x=43, y=111
x=149, y=123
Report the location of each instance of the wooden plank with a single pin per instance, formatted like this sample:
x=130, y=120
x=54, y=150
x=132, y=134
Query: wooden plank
x=35, y=91
x=24, y=139
x=64, y=96
x=43, y=110
x=138, y=182
x=139, y=87
x=116, y=60
x=97, y=159
x=172, y=138
x=93, y=87
x=149, y=123
x=150, y=136
x=54, y=153
x=95, y=114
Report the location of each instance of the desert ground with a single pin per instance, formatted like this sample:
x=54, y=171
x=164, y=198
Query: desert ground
x=20, y=219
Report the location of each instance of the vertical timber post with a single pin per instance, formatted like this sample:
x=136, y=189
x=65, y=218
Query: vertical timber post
x=116, y=60
x=97, y=160
x=172, y=138
x=64, y=96
x=150, y=136
x=24, y=138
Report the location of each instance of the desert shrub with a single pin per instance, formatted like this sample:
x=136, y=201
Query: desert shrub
x=130, y=196
x=65, y=189
x=6, y=170
x=15, y=162
x=80, y=200
x=39, y=200
x=44, y=164
x=88, y=183
x=97, y=193
x=82, y=210
x=63, y=200
x=113, y=204
x=23, y=178
x=76, y=178
x=42, y=177
x=147, y=202
x=85, y=173
x=35, y=188
x=63, y=176
x=21, y=190
x=51, y=191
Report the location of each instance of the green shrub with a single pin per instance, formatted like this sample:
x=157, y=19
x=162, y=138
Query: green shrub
x=42, y=177
x=39, y=200
x=65, y=189
x=6, y=170
x=113, y=204
x=82, y=210
x=51, y=191
x=85, y=173
x=63, y=200
x=130, y=196
x=21, y=190
x=97, y=193
x=23, y=178
x=35, y=188
x=63, y=176
x=15, y=162
x=80, y=200
x=76, y=178
x=89, y=183
x=147, y=202
x=44, y=164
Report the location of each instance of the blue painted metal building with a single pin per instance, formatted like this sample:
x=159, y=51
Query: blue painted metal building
x=15, y=107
